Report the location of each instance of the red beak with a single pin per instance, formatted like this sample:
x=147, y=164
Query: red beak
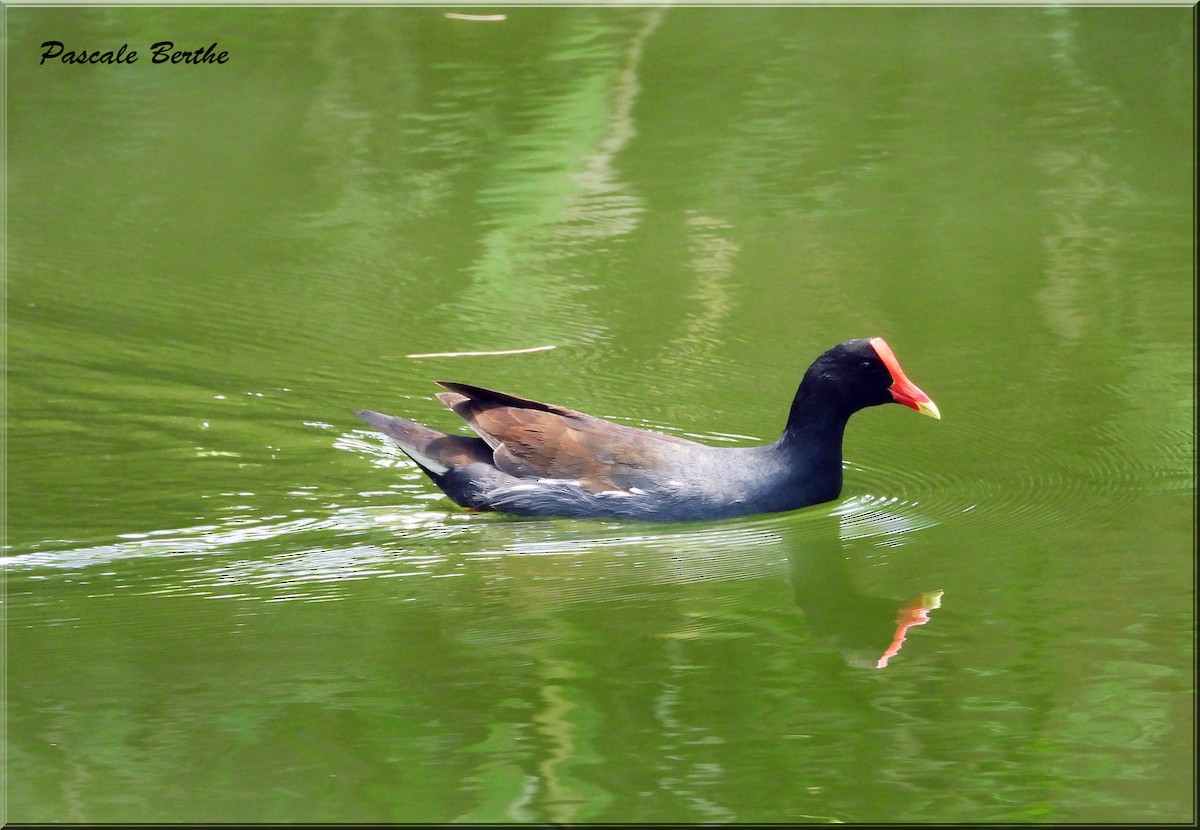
x=903, y=390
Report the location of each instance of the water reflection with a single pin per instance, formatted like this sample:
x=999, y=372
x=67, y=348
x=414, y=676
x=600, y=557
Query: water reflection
x=554, y=193
x=867, y=630
x=200, y=590
x=1081, y=193
x=539, y=567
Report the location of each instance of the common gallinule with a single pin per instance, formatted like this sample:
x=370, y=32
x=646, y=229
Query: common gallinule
x=538, y=459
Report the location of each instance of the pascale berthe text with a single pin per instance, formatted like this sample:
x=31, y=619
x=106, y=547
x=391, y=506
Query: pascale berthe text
x=162, y=52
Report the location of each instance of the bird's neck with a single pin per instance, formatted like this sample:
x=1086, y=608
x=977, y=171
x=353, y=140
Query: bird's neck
x=816, y=423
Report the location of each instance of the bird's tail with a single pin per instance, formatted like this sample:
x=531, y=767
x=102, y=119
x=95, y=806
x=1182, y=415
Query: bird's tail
x=434, y=451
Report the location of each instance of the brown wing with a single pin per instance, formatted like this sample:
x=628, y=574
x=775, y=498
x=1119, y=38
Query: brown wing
x=539, y=439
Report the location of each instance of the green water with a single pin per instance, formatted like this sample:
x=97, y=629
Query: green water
x=227, y=600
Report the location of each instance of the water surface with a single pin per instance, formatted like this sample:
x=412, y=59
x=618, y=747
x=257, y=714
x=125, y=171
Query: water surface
x=229, y=601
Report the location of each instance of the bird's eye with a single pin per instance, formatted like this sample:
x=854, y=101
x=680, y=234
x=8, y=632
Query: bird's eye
x=866, y=366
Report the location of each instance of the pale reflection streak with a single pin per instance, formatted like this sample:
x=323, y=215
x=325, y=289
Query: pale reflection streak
x=603, y=209
x=678, y=735
x=562, y=720
x=551, y=199
x=1142, y=445
x=1080, y=248
x=711, y=262
x=342, y=128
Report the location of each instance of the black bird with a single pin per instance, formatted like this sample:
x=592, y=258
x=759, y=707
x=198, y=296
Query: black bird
x=539, y=459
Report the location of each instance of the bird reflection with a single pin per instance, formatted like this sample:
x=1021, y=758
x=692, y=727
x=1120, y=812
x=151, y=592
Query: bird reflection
x=869, y=631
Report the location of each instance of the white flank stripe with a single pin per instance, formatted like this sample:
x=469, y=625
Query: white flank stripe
x=426, y=462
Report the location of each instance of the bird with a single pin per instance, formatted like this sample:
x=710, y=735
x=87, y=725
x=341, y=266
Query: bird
x=528, y=458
